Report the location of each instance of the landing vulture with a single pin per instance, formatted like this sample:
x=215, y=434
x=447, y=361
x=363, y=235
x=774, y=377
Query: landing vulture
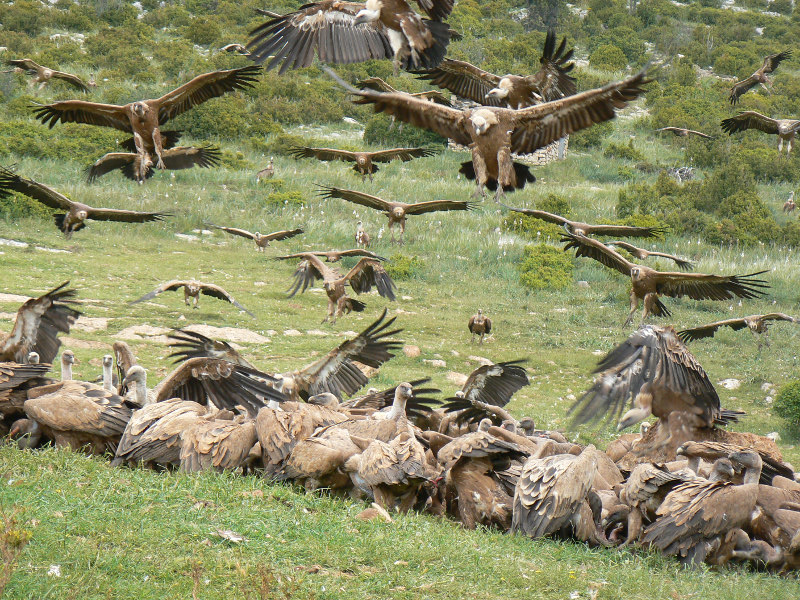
x=378, y=84
x=43, y=75
x=364, y=162
x=494, y=133
x=77, y=213
x=191, y=293
x=144, y=118
x=493, y=384
x=585, y=229
x=759, y=77
x=785, y=129
x=683, y=132
x=138, y=167
x=479, y=324
x=395, y=211
x=261, y=240
x=551, y=82
x=757, y=324
x=648, y=284
x=643, y=254
x=348, y=32
x=332, y=256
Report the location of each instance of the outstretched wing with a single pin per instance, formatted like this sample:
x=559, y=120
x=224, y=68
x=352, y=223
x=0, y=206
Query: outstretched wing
x=773, y=60
x=234, y=231
x=356, y=197
x=308, y=271
x=24, y=63
x=585, y=246
x=700, y=134
x=699, y=286
x=125, y=216
x=209, y=289
x=464, y=80
x=71, y=79
x=283, y=235
x=495, y=384
x=81, y=111
x=369, y=272
x=11, y=182
x=169, y=286
x=705, y=331
x=322, y=153
x=627, y=230
x=438, y=205
x=109, y=162
x=749, y=120
x=742, y=87
x=190, y=344
x=553, y=80
x=186, y=157
x=375, y=83
x=404, y=154
x=539, y=214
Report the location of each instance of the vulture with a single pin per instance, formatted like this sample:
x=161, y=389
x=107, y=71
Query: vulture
x=191, y=293
x=643, y=254
x=235, y=47
x=77, y=212
x=139, y=166
x=261, y=240
x=363, y=162
x=268, y=171
x=333, y=256
x=479, y=324
x=785, y=129
x=15, y=380
x=759, y=77
x=361, y=237
x=419, y=405
x=493, y=133
x=213, y=442
x=395, y=211
x=577, y=227
x=757, y=324
x=348, y=32
x=384, y=426
x=789, y=205
x=711, y=451
x=144, y=118
x=37, y=325
x=647, y=284
x=378, y=84
x=366, y=273
x=43, y=75
x=551, y=82
x=683, y=132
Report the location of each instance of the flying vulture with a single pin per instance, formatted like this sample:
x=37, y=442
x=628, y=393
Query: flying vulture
x=585, y=229
x=479, y=324
x=757, y=324
x=262, y=241
x=144, y=118
x=191, y=293
x=139, y=166
x=789, y=205
x=643, y=254
x=77, y=212
x=551, y=82
x=759, y=77
x=364, y=162
x=361, y=237
x=37, y=325
x=332, y=256
x=378, y=84
x=683, y=132
x=43, y=75
x=494, y=133
x=235, y=47
x=395, y=211
x=348, y=32
x=362, y=277
x=647, y=284
x=785, y=129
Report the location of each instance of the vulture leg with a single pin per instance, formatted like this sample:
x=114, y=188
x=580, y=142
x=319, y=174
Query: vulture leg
x=780, y=145
x=634, y=527
x=402, y=230
x=649, y=301
x=391, y=124
x=479, y=164
x=159, y=149
x=472, y=339
x=634, y=308
x=790, y=145
x=506, y=176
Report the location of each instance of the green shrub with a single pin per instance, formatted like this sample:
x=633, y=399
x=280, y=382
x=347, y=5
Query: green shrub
x=283, y=142
x=626, y=151
x=235, y=161
x=591, y=137
x=555, y=204
x=787, y=404
x=380, y=132
x=228, y=117
x=545, y=267
x=608, y=57
x=17, y=206
x=781, y=6
x=403, y=266
x=203, y=31
x=289, y=198
x=536, y=229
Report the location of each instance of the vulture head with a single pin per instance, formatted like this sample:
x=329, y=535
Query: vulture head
x=484, y=425
x=67, y=360
x=482, y=120
x=370, y=13
x=108, y=361
x=324, y=399
x=397, y=211
x=140, y=109
x=750, y=461
x=722, y=470
x=33, y=358
x=257, y=236
x=83, y=215
x=507, y=425
x=636, y=273
x=528, y=425
x=193, y=288
x=405, y=391
x=136, y=374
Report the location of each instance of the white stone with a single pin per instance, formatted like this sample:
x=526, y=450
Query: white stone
x=292, y=332
x=730, y=384
x=435, y=362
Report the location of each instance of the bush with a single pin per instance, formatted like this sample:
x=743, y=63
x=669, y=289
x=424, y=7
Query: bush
x=545, y=267
x=380, y=132
x=787, y=404
x=293, y=198
x=203, y=31
x=628, y=152
x=228, y=117
x=534, y=228
x=608, y=58
x=403, y=266
x=591, y=137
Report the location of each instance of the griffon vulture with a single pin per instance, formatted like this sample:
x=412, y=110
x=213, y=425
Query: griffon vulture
x=479, y=324
x=395, y=211
x=757, y=324
x=378, y=84
x=759, y=77
x=214, y=442
x=492, y=133
x=139, y=166
x=785, y=129
x=43, y=75
x=647, y=284
x=683, y=132
x=361, y=236
x=333, y=256
x=364, y=162
x=144, y=118
x=261, y=240
x=191, y=293
x=585, y=229
x=268, y=171
x=789, y=205
x=643, y=254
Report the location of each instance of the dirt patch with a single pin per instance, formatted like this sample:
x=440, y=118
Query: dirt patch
x=70, y=342
x=16, y=298
x=141, y=332
x=230, y=334
x=91, y=324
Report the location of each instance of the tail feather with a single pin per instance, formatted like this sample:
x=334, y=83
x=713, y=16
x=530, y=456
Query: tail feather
x=522, y=172
x=430, y=57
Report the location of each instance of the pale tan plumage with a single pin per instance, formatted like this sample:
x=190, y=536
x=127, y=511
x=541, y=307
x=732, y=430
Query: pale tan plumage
x=191, y=293
x=43, y=75
x=261, y=240
x=785, y=129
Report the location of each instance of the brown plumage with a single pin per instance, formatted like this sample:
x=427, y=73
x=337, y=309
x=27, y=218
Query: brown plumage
x=378, y=84
x=191, y=293
x=261, y=240
x=332, y=256
x=551, y=82
x=384, y=426
x=139, y=167
x=268, y=171
x=683, y=132
x=124, y=359
x=710, y=451
x=647, y=284
x=643, y=254
x=318, y=460
x=479, y=324
x=43, y=75
x=15, y=380
x=757, y=324
x=771, y=63
x=785, y=129
x=361, y=237
x=77, y=213
x=789, y=205
x=364, y=162
x=218, y=444
x=579, y=228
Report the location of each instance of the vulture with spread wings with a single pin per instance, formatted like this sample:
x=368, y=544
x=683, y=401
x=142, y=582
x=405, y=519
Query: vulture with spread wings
x=43, y=75
x=585, y=229
x=368, y=272
x=364, y=162
x=648, y=284
x=261, y=240
x=332, y=256
x=395, y=211
x=642, y=254
x=138, y=166
x=759, y=77
x=488, y=384
x=683, y=132
x=349, y=32
x=493, y=133
x=144, y=118
x=757, y=324
x=191, y=293
x=785, y=129
x=77, y=213
x=378, y=84
x=551, y=82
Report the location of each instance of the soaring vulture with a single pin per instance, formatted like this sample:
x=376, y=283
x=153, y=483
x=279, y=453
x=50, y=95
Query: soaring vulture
x=43, y=75
x=191, y=293
x=378, y=84
x=235, y=47
x=138, y=167
x=37, y=325
x=759, y=77
x=144, y=118
x=366, y=273
x=479, y=324
x=364, y=162
x=332, y=256
x=586, y=229
x=77, y=213
x=551, y=82
x=493, y=133
x=395, y=211
x=647, y=284
x=757, y=324
x=348, y=32
x=683, y=132
x=785, y=129
x=261, y=240
x=490, y=384
x=643, y=254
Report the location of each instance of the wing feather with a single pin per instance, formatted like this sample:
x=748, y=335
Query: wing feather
x=81, y=111
x=464, y=80
x=749, y=120
x=356, y=197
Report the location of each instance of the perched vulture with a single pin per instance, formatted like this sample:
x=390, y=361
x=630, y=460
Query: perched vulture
x=77, y=213
x=268, y=171
x=363, y=162
x=311, y=459
x=144, y=118
x=261, y=240
x=419, y=405
x=332, y=256
x=366, y=273
x=43, y=75
x=551, y=82
x=494, y=133
x=138, y=166
x=217, y=443
x=15, y=380
x=789, y=205
x=647, y=284
x=349, y=32
x=361, y=237
x=37, y=325
x=643, y=254
x=577, y=227
x=124, y=359
x=757, y=324
x=785, y=129
x=479, y=324
x=395, y=211
x=191, y=293
x=759, y=77
x=711, y=451
x=683, y=132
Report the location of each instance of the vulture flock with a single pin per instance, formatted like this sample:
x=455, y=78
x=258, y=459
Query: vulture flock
x=684, y=484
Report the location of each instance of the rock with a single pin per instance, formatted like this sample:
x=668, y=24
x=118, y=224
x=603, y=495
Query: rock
x=85, y=323
x=730, y=384
x=187, y=237
x=318, y=332
x=230, y=334
x=140, y=332
x=598, y=352
x=455, y=353
x=292, y=332
x=774, y=436
x=765, y=387
x=480, y=360
x=70, y=342
x=435, y=362
x=374, y=512
x=458, y=379
x=769, y=400
x=406, y=298
x=16, y=299
x=583, y=285
x=411, y=351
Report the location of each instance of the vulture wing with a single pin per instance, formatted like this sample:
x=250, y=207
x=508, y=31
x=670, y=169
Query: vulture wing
x=627, y=230
x=13, y=374
x=540, y=214
x=235, y=231
x=779, y=317
x=586, y=246
x=11, y=182
x=419, y=403
x=283, y=235
x=699, y=286
x=81, y=111
x=438, y=205
x=375, y=83
x=71, y=79
x=25, y=63
x=749, y=120
x=682, y=263
x=186, y=157
x=495, y=384
x=773, y=60
x=705, y=331
x=170, y=286
x=404, y=154
x=369, y=272
x=700, y=134
x=464, y=80
x=190, y=344
x=553, y=80
x=125, y=216
x=438, y=10
x=322, y=153
x=209, y=289
x=356, y=197
x=360, y=252
x=308, y=271
x=110, y=162
x=742, y=87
